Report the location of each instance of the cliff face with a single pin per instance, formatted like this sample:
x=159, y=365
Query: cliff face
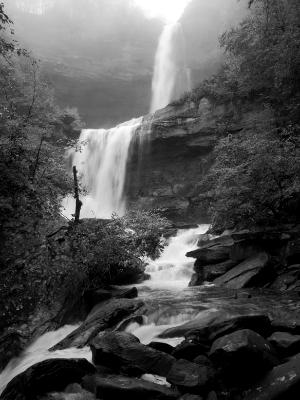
x=175, y=152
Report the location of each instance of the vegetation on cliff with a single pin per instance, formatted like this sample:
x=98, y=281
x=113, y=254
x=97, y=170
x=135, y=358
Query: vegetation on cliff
x=255, y=178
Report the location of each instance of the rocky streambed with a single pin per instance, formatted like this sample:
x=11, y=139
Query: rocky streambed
x=164, y=341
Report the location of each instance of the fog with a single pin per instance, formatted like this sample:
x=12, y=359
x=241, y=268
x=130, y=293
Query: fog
x=99, y=54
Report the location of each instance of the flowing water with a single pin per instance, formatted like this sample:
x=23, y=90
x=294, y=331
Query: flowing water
x=169, y=303
x=101, y=160
x=171, y=78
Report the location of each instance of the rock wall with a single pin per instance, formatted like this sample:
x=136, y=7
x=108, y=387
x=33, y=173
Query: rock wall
x=174, y=151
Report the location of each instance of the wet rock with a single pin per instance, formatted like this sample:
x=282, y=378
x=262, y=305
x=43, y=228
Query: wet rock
x=288, y=280
x=285, y=343
x=212, y=396
x=287, y=325
x=210, y=255
x=188, y=350
x=249, y=273
x=102, y=317
x=131, y=293
x=110, y=387
x=189, y=376
x=123, y=351
x=281, y=383
x=197, y=279
x=189, y=396
x=203, y=360
x=160, y=346
x=45, y=377
x=96, y=296
x=210, y=325
x=212, y=272
x=243, y=354
x=137, y=319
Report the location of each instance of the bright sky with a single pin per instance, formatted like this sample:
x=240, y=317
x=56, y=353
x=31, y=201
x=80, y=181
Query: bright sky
x=170, y=10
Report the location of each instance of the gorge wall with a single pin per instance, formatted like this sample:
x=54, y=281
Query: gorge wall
x=177, y=153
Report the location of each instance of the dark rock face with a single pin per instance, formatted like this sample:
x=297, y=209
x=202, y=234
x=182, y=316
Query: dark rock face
x=248, y=259
x=120, y=387
x=282, y=383
x=102, y=317
x=211, y=325
x=46, y=376
x=160, y=346
x=245, y=274
x=188, y=349
x=243, y=354
x=285, y=343
x=190, y=376
x=123, y=351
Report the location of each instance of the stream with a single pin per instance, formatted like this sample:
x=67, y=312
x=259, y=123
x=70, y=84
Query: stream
x=170, y=302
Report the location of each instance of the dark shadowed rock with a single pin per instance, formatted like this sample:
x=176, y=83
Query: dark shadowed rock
x=102, y=317
x=160, y=346
x=288, y=279
x=285, y=343
x=293, y=252
x=281, y=383
x=212, y=272
x=95, y=296
x=188, y=349
x=120, y=387
x=131, y=293
x=123, y=351
x=287, y=325
x=243, y=354
x=190, y=376
x=210, y=325
x=189, y=396
x=46, y=376
x=203, y=360
x=210, y=255
x=197, y=279
x=212, y=396
x=246, y=274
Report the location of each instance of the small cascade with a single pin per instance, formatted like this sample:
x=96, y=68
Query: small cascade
x=101, y=161
x=171, y=78
x=173, y=269
x=38, y=352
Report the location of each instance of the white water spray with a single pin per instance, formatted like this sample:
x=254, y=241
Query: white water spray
x=171, y=77
x=101, y=163
x=173, y=269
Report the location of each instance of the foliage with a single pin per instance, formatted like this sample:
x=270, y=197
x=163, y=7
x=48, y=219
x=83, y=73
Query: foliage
x=255, y=180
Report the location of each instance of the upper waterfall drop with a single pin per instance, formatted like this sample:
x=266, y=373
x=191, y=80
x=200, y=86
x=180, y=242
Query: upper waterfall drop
x=101, y=162
x=171, y=78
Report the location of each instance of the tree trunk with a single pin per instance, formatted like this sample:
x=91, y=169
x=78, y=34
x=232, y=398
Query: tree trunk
x=78, y=203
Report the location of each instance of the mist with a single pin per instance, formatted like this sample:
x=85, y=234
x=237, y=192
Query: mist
x=99, y=54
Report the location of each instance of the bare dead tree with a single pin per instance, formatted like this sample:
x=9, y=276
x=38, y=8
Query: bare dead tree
x=78, y=203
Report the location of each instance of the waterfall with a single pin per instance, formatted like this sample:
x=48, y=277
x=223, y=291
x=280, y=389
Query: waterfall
x=101, y=161
x=171, y=76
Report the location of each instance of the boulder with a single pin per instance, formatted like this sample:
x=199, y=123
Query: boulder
x=243, y=355
x=160, y=346
x=93, y=297
x=212, y=396
x=288, y=279
x=285, y=343
x=102, y=317
x=46, y=376
x=212, y=272
x=293, y=252
x=210, y=255
x=247, y=274
x=189, y=396
x=203, y=360
x=189, y=349
x=197, y=279
x=287, y=325
x=122, y=351
x=209, y=325
x=136, y=319
x=188, y=376
x=110, y=387
x=281, y=383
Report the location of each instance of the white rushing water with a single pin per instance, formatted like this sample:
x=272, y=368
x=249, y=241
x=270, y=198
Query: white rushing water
x=171, y=78
x=101, y=162
x=173, y=269
x=38, y=351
